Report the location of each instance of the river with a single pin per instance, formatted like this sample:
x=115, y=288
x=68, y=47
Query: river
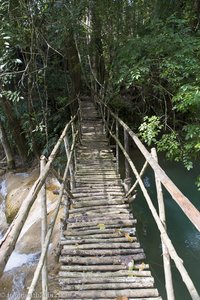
x=185, y=237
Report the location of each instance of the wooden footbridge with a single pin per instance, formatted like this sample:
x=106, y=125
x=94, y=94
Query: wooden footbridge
x=100, y=255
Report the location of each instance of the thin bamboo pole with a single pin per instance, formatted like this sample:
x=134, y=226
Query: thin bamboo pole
x=166, y=256
x=50, y=231
x=73, y=161
x=126, y=147
x=178, y=261
x=136, y=182
x=71, y=167
x=60, y=179
x=117, y=146
x=42, y=196
x=7, y=244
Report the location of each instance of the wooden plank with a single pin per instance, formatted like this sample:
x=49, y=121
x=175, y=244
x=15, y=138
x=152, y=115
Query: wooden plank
x=106, y=286
x=107, y=260
x=98, y=223
x=119, y=231
x=100, y=252
x=105, y=271
x=101, y=279
x=109, y=293
x=125, y=245
x=98, y=241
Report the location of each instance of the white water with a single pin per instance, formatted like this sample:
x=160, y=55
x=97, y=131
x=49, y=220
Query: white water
x=17, y=260
x=18, y=286
x=22, y=174
x=3, y=221
x=3, y=189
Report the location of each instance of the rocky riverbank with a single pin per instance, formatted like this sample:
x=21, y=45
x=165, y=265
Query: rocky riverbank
x=20, y=268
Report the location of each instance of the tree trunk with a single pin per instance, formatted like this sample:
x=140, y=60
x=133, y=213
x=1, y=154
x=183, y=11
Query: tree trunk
x=74, y=66
x=6, y=147
x=15, y=128
x=99, y=63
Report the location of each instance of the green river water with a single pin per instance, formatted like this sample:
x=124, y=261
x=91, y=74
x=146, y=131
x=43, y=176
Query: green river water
x=183, y=234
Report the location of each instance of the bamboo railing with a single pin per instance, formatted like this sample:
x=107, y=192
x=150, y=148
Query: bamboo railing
x=7, y=244
x=188, y=208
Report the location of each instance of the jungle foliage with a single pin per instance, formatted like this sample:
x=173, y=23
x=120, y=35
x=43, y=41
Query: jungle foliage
x=141, y=56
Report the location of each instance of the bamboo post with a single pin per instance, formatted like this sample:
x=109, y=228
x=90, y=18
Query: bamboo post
x=166, y=257
x=79, y=121
x=73, y=161
x=117, y=146
x=127, y=180
x=42, y=196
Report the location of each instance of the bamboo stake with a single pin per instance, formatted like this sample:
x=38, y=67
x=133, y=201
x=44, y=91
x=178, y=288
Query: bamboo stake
x=7, y=244
x=136, y=182
x=126, y=147
x=178, y=261
x=117, y=146
x=73, y=162
x=42, y=195
x=50, y=231
x=166, y=257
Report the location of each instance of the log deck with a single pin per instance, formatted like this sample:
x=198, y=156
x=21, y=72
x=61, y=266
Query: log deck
x=101, y=257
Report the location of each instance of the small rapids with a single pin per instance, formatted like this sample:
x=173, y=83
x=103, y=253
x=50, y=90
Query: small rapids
x=3, y=221
x=17, y=260
x=20, y=267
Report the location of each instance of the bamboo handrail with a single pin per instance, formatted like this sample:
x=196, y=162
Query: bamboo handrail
x=187, y=207
x=164, y=236
x=177, y=260
x=50, y=231
x=9, y=240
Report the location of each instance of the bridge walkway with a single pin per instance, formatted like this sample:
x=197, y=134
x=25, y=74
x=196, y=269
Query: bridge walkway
x=101, y=257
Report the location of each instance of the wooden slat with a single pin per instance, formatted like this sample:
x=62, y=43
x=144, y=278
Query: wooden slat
x=101, y=257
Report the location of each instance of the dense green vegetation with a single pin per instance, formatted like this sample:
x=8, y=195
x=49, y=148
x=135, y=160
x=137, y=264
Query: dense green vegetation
x=143, y=57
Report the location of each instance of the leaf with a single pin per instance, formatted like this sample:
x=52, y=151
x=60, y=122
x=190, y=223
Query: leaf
x=128, y=237
x=102, y=226
x=131, y=265
x=119, y=231
x=142, y=266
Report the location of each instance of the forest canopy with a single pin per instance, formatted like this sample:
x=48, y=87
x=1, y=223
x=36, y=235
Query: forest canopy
x=141, y=57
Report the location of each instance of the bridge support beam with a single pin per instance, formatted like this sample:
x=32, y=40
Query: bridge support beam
x=127, y=180
x=43, y=201
x=165, y=252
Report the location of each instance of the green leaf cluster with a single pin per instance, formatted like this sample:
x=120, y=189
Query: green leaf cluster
x=162, y=64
